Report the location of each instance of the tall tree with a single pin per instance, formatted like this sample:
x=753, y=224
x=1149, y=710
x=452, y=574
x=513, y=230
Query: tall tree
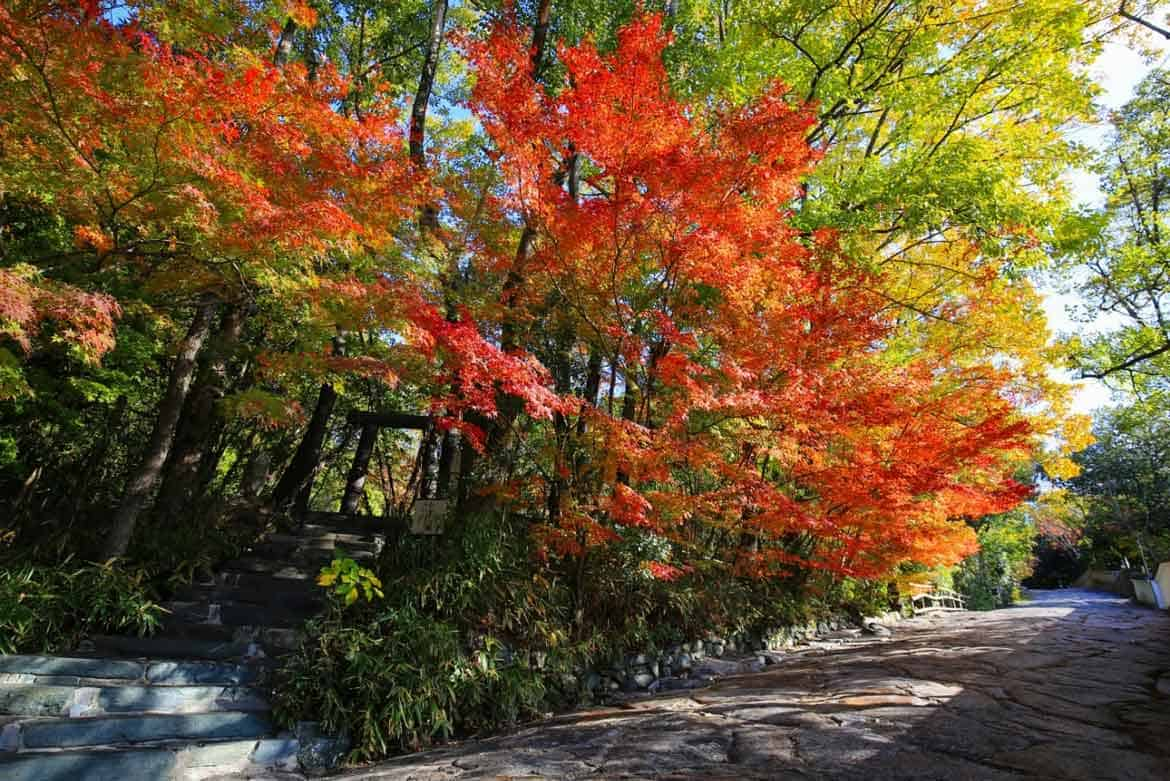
x=192, y=175
x=1121, y=251
x=1124, y=484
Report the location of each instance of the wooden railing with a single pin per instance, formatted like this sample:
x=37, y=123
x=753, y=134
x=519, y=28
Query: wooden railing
x=937, y=599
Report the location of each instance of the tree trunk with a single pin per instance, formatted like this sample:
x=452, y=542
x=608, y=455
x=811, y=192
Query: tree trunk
x=356, y=480
x=429, y=219
x=194, y=438
x=540, y=36
x=296, y=482
x=98, y=456
x=430, y=454
x=629, y=412
x=284, y=44
x=561, y=364
x=145, y=476
x=592, y=387
x=299, y=473
x=509, y=408
x=256, y=474
x=450, y=446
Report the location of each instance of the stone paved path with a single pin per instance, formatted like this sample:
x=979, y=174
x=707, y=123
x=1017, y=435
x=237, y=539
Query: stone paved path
x=1073, y=685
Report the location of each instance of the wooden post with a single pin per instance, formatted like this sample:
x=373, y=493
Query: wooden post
x=449, y=458
x=356, y=479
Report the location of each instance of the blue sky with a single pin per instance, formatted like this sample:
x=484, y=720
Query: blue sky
x=1118, y=71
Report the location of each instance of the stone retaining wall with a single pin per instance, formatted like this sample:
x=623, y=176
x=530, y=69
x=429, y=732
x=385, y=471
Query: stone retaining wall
x=696, y=662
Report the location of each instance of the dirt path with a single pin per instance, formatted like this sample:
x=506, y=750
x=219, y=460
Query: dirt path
x=1071, y=685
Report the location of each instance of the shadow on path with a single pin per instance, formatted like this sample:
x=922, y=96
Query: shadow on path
x=1070, y=685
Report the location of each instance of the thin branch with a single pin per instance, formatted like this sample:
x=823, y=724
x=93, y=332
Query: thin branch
x=1139, y=20
x=1128, y=363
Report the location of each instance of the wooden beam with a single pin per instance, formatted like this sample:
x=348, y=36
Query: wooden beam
x=389, y=420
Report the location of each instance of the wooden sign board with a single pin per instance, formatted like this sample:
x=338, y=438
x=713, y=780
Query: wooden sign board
x=428, y=516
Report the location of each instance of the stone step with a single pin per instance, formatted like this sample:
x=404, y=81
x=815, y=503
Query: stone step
x=256, y=565
x=328, y=542
x=350, y=524
x=321, y=557
x=240, y=758
x=75, y=668
x=203, y=641
x=306, y=559
x=303, y=595
x=341, y=537
x=233, y=614
x=84, y=701
x=88, y=671
x=190, y=647
x=37, y=734
x=280, y=579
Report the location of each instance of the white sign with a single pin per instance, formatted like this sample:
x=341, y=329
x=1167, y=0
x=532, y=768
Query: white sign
x=428, y=516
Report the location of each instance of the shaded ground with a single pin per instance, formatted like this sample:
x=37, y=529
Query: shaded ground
x=1071, y=685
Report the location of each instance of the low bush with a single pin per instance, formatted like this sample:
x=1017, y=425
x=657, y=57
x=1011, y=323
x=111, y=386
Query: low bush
x=478, y=631
x=398, y=680
x=991, y=578
x=45, y=609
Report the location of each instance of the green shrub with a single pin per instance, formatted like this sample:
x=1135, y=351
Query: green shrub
x=478, y=630
x=991, y=578
x=400, y=681
x=347, y=580
x=47, y=609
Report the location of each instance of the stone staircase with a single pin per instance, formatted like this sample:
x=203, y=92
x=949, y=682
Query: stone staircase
x=188, y=702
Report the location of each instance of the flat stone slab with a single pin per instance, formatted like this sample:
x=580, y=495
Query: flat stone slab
x=1066, y=686
x=196, y=647
x=228, y=759
x=199, y=672
x=33, y=700
x=66, y=666
x=177, y=699
x=124, y=730
x=71, y=766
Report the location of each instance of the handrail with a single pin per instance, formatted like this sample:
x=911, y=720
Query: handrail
x=940, y=599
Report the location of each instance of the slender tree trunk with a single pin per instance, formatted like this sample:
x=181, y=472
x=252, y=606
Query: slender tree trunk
x=356, y=480
x=26, y=488
x=429, y=457
x=429, y=216
x=295, y=484
x=195, y=434
x=256, y=473
x=561, y=365
x=629, y=412
x=98, y=457
x=438, y=453
x=509, y=408
x=515, y=278
x=145, y=476
x=300, y=470
x=426, y=82
x=284, y=44
x=592, y=386
x=540, y=35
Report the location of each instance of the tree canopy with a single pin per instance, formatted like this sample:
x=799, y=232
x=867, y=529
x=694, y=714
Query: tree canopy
x=742, y=288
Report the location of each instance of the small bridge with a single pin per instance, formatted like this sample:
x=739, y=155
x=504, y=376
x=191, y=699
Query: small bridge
x=925, y=598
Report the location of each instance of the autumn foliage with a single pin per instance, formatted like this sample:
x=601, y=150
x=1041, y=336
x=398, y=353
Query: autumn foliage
x=196, y=172
x=745, y=394
x=625, y=300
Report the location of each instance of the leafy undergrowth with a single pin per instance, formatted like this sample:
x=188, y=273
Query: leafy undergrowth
x=475, y=633
x=52, y=597
x=44, y=609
